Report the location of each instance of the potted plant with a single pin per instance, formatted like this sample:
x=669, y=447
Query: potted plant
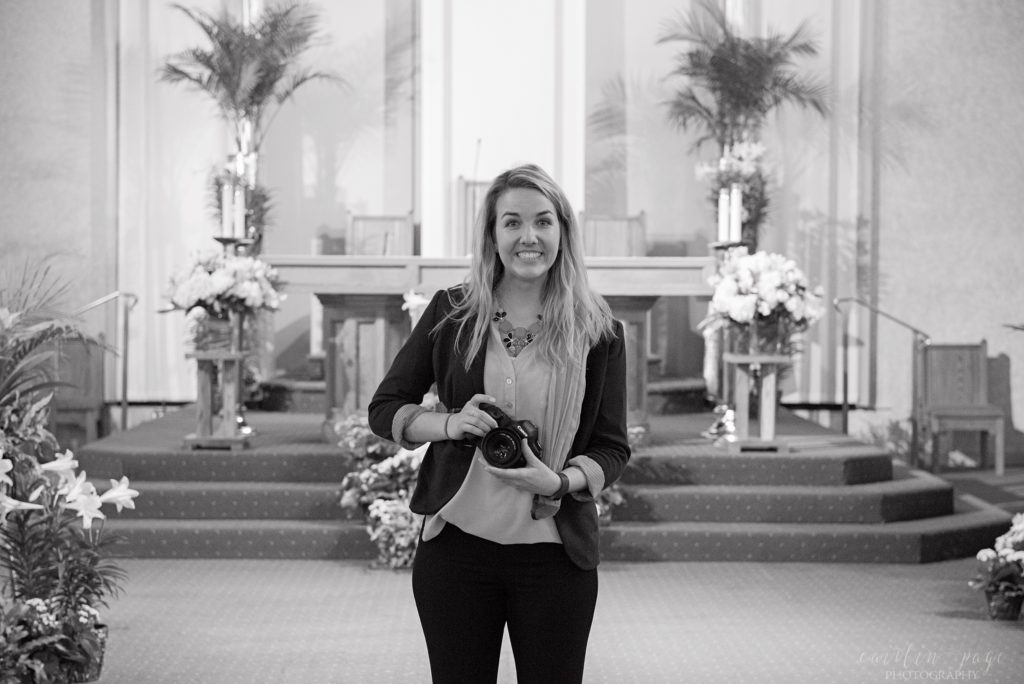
x=1001, y=573
x=58, y=566
x=730, y=85
x=249, y=70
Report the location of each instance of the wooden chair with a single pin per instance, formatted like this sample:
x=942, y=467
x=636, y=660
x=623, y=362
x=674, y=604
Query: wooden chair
x=620, y=236
x=953, y=396
x=380, y=235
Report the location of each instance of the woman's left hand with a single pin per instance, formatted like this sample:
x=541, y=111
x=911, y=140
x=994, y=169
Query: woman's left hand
x=534, y=477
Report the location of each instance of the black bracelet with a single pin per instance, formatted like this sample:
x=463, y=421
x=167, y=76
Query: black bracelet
x=446, y=421
x=563, y=486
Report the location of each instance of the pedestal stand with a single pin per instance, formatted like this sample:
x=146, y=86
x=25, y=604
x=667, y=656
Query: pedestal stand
x=226, y=364
x=234, y=246
x=747, y=365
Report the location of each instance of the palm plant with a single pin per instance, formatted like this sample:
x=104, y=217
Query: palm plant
x=249, y=71
x=30, y=327
x=732, y=83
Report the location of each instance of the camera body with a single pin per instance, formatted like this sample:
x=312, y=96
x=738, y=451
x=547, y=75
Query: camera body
x=501, y=446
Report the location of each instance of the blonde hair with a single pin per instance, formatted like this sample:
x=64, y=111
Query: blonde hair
x=573, y=313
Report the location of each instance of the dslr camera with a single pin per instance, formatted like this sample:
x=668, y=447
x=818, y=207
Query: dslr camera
x=502, y=446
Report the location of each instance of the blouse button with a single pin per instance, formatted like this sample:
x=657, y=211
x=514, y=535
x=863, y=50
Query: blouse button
x=508, y=381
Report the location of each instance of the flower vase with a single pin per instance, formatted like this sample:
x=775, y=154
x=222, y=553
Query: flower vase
x=1002, y=606
x=91, y=670
x=214, y=334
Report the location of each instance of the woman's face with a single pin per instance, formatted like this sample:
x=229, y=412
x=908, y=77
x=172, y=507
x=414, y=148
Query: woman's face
x=527, y=233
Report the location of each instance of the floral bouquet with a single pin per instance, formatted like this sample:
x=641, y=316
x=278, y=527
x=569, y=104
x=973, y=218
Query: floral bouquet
x=391, y=479
x=765, y=298
x=218, y=283
x=381, y=490
x=1001, y=573
x=395, y=530
x=359, y=442
x=741, y=163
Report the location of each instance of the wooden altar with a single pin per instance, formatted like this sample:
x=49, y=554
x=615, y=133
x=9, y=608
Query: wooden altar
x=364, y=324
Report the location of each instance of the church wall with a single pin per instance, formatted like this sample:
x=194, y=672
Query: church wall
x=48, y=129
x=950, y=247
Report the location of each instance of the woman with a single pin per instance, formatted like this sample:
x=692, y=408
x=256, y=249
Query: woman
x=511, y=546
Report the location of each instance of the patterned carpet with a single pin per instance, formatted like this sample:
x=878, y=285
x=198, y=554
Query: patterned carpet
x=338, y=622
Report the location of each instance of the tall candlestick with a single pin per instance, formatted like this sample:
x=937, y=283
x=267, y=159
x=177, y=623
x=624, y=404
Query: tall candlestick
x=240, y=213
x=723, y=215
x=736, y=213
x=226, y=212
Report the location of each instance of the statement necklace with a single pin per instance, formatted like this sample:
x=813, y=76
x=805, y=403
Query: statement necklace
x=515, y=338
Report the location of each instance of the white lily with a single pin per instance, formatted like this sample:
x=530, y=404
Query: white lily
x=7, y=504
x=6, y=466
x=63, y=466
x=88, y=506
x=78, y=487
x=120, y=494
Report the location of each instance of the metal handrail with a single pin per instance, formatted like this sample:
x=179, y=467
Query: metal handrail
x=920, y=336
x=130, y=300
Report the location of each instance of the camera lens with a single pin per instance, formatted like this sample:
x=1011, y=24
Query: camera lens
x=500, y=448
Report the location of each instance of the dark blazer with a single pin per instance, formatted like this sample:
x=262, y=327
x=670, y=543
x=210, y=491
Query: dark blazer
x=428, y=358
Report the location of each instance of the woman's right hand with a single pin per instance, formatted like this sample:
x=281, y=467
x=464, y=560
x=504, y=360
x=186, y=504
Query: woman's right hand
x=471, y=421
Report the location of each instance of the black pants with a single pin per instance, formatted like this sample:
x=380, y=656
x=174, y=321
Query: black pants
x=467, y=589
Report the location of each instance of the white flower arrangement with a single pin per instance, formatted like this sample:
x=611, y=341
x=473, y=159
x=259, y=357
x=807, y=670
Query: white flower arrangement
x=381, y=489
x=1001, y=569
x=1013, y=540
x=765, y=295
x=395, y=530
x=219, y=283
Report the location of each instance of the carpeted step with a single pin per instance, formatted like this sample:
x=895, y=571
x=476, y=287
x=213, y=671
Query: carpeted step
x=915, y=541
x=245, y=500
x=907, y=499
x=218, y=465
x=307, y=539
x=710, y=466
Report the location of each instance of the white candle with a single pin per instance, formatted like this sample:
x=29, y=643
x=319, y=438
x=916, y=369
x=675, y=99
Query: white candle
x=736, y=213
x=239, y=221
x=723, y=215
x=246, y=134
x=226, y=214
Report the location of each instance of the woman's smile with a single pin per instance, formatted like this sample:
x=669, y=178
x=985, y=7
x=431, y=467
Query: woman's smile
x=527, y=233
